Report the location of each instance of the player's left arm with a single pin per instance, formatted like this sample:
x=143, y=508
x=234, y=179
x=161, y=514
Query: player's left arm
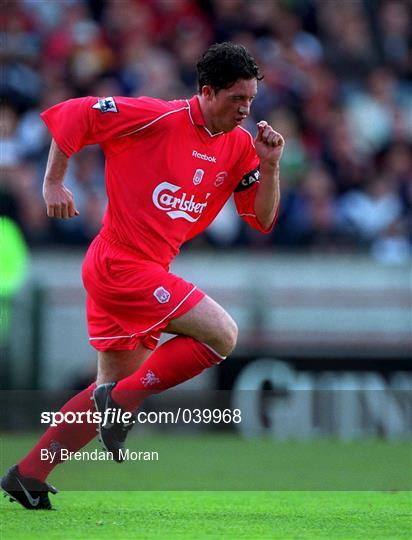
x=269, y=146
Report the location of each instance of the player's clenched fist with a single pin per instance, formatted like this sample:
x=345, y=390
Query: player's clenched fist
x=269, y=143
x=59, y=201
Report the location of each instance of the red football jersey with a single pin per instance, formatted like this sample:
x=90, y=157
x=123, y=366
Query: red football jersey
x=167, y=176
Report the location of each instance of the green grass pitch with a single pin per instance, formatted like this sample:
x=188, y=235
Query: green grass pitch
x=224, y=487
x=222, y=514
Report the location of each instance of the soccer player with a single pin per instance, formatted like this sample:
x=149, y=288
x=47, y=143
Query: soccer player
x=170, y=168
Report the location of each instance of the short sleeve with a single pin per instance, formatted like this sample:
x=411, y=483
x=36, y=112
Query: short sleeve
x=92, y=120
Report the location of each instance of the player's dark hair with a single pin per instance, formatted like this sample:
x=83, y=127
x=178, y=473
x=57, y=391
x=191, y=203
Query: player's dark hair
x=222, y=64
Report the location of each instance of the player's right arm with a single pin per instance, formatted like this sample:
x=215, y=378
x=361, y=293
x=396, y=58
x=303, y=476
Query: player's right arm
x=59, y=200
x=78, y=122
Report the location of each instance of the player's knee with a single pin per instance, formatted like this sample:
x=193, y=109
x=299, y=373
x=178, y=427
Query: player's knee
x=228, y=338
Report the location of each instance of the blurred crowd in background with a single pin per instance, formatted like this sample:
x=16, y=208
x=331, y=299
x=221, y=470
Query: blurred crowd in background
x=337, y=84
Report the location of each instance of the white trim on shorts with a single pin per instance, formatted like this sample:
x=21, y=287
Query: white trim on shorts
x=112, y=337
x=151, y=327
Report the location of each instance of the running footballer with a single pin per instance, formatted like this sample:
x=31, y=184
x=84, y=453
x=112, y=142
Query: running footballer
x=170, y=168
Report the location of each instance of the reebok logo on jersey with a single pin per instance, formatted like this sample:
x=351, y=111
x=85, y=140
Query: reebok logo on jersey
x=205, y=157
x=106, y=105
x=177, y=207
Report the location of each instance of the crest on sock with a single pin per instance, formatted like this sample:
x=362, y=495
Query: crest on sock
x=149, y=379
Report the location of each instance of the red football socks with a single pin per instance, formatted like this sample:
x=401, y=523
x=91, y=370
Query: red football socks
x=174, y=362
x=72, y=436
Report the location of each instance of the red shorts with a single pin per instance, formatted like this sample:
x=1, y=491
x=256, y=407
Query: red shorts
x=130, y=299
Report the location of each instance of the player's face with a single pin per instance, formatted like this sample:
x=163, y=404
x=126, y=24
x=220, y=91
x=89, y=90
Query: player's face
x=227, y=108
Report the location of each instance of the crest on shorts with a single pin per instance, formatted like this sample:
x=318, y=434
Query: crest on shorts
x=107, y=104
x=162, y=295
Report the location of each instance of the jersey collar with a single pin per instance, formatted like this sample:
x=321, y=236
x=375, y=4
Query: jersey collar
x=196, y=115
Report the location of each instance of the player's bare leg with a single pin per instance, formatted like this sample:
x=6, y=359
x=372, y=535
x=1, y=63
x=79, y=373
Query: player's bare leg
x=115, y=365
x=209, y=323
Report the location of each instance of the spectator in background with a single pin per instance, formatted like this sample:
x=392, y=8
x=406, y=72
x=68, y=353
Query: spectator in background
x=312, y=218
x=31, y=133
x=21, y=48
x=373, y=215
x=348, y=41
x=396, y=161
x=372, y=111
x=395, y=27
x=348, y=166
x=11, y=152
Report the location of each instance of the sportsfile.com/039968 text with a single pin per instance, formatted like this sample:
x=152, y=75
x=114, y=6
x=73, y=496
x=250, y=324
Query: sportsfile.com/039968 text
x=182, y=415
